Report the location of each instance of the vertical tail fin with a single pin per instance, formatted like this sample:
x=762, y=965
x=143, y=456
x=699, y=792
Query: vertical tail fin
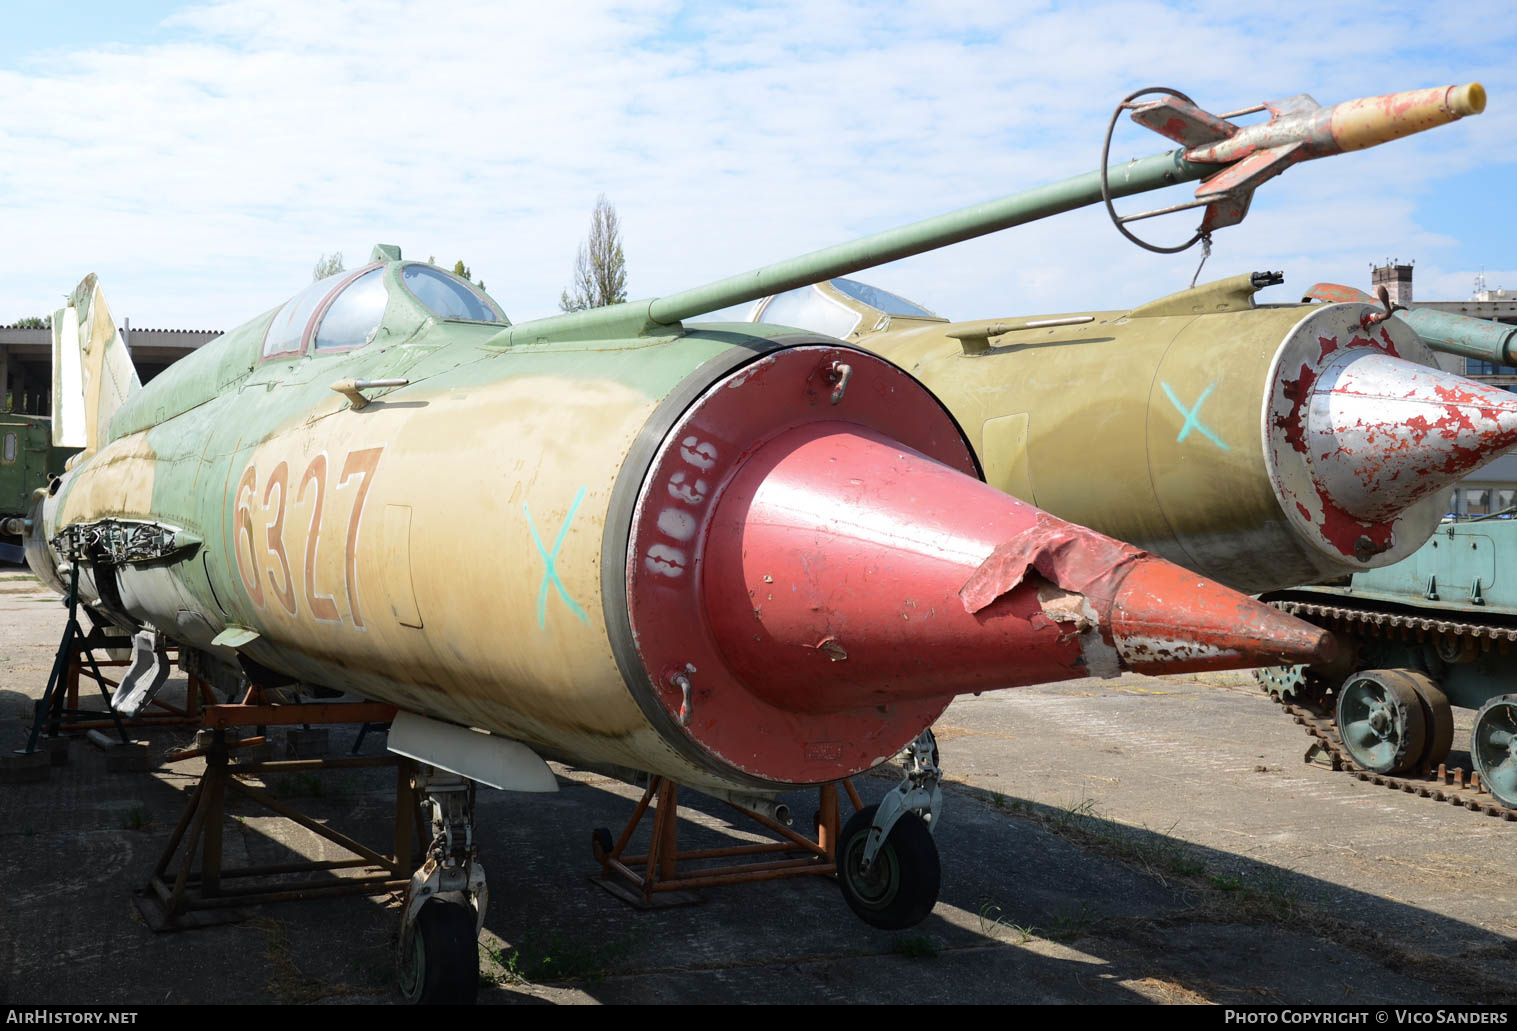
x=93, y=374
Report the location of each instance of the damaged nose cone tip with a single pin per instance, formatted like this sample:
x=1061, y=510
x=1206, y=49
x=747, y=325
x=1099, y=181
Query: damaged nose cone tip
x=1166, y=619
x=1468, y=99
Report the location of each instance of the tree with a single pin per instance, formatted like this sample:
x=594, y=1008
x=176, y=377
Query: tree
x=328, y=266
x=462, y=271
x=600, y=270
x=34, y=322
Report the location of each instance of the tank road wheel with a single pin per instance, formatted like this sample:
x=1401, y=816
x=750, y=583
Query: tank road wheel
x=442, y=965
x=1439, y=715
x=1493, y=747
x=901, y=886
x=1380, y=717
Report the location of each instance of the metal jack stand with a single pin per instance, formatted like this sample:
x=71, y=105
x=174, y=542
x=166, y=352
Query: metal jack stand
x=51, y=709
x=190, y=897
x=59, y=708
x=655, y=880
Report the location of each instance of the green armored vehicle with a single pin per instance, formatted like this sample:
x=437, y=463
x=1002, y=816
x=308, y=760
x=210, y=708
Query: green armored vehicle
x=1433, y=632
x=27, y=460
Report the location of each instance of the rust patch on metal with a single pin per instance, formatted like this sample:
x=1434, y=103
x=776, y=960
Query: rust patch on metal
x=1063, y=607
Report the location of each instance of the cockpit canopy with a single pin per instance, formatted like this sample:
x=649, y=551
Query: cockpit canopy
x=344, y=311
x=836, y=307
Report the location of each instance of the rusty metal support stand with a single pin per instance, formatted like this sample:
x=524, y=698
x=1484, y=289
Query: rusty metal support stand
x=656, y=878
x=184, y=893
x=63, y=681
x=59, y=708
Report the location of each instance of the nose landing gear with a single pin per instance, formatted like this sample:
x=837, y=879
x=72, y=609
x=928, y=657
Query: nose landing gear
x=888, y=865
x=438, y=955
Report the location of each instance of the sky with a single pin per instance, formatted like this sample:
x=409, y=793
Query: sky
x=201, y=157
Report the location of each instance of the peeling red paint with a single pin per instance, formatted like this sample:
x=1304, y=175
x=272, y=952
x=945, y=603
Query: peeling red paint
x=1067, y=556
x=1298, y=391
x=1343, y=531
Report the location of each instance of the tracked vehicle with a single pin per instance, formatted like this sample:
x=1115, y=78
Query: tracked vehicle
x=1434, y=632
x=27, y=459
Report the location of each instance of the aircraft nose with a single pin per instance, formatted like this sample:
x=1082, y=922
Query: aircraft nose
x=1383, y=433
x=844, y=571
x=1168, y=620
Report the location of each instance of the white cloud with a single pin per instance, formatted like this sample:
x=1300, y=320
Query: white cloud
x=202, y=176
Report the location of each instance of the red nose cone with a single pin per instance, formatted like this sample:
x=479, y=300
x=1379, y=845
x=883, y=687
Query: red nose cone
x=1214, y=629
x=813, y=572
x=845, y=571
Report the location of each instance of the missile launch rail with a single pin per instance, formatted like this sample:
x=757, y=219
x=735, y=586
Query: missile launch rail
x=1423, y=636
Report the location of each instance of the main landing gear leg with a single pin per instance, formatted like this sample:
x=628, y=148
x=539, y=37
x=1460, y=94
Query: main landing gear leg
x=438, y=957
x=887, y=862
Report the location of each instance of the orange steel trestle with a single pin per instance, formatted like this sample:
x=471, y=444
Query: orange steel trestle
x=181, y=893
x=640, y=879
x=66, y=715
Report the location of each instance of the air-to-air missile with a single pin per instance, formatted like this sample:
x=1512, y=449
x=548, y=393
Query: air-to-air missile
x=740, y=557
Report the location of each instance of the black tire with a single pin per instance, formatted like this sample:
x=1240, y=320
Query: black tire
x=902, y=885
x=442, y=966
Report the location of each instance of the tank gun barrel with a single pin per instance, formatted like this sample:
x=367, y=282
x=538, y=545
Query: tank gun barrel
x=1460, y=334
x=1448, y=332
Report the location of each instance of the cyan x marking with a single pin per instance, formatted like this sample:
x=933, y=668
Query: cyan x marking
x=1192, y=419
x=550, y=563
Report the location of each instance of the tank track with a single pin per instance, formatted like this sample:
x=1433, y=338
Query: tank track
x=1335, y=617
x=1313, y=712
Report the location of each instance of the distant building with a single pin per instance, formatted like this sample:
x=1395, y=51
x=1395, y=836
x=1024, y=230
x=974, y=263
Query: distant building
x=1397, y=280
x=26, y=360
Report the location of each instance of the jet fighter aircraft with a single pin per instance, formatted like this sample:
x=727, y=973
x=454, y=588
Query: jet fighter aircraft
x=744, y=557
x=1264, y=446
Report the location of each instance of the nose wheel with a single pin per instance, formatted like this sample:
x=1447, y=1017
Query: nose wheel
x=900, y=886
x=442, y=965
x=887, y=861
x=437, y=962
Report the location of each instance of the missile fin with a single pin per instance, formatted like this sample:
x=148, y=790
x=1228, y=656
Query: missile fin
x=1184, y=123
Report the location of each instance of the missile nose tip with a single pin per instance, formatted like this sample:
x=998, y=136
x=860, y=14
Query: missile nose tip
x=1468, y=99
x=1169, y=620
x=1325, y=651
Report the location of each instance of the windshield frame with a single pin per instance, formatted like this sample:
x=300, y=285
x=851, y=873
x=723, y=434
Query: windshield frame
x=308, y=333
x=400, y=277
x=308, y=342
